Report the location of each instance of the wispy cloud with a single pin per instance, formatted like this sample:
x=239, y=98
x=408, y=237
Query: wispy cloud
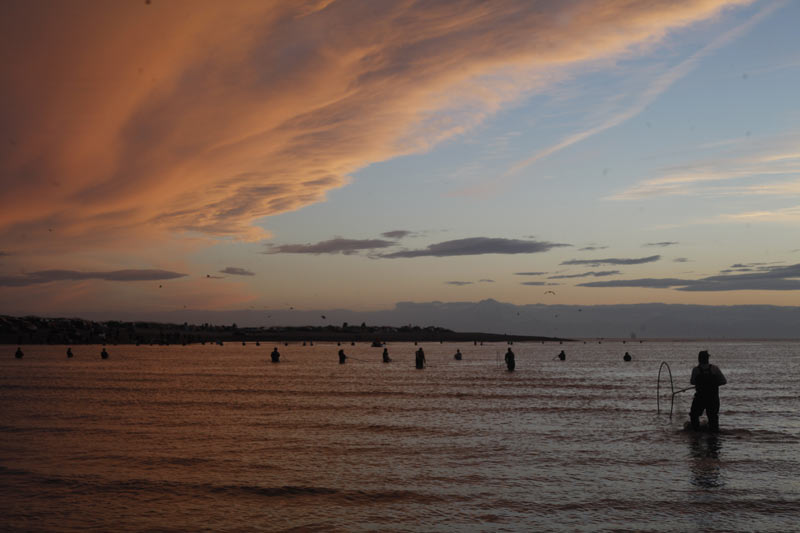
x=759, y=264
x=529, y=273
x=458, y=283
x=485, y=280
x=646, y=98
x=713, y=178
x=236, y=271
x=592, y=248
x=596, y=274
x=613, y=261
x=783, y=215
x=534, y=283
x=652, y=283
x=48, y=276
x=337, y=245
x=477, y=246
x=662, y=244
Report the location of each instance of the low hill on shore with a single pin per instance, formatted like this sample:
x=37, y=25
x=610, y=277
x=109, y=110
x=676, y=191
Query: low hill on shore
x=39, y=330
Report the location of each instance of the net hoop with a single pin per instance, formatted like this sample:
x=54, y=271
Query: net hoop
x=671, y=387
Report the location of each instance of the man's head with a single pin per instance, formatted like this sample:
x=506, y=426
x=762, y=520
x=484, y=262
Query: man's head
x=702, y=357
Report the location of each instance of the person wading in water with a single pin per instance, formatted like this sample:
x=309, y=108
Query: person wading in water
x=510, y=362
x=420, y=359
x=275, y=355
x=707, y=379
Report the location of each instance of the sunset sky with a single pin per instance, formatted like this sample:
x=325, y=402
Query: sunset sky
x=332, y=154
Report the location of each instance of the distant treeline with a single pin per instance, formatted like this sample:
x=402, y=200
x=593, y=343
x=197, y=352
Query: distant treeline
x=38, y=330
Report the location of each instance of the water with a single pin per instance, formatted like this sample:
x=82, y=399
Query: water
x=215, y=438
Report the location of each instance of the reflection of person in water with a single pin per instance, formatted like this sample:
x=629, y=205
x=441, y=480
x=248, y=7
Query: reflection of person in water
x=705, y=450
x=707, y=379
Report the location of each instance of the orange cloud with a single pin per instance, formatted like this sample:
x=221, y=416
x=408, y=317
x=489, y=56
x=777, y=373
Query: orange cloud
x=127, y=120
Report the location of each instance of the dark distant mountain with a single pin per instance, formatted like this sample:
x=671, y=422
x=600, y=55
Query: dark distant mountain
x=653, y=320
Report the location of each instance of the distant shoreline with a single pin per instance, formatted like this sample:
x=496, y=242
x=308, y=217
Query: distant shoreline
x=32, y=330
x=69, y=331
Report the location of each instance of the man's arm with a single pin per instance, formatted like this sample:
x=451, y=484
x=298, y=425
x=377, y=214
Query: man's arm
x=720, y=377
x=694, y=374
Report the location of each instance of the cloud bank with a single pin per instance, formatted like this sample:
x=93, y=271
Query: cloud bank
x=225, y=112
x=765, y=278
x=656, y=321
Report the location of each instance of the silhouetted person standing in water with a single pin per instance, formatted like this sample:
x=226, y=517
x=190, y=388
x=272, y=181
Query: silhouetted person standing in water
x=342, y=357
x=18, y=354
x=457, y=356
x=275, y=355
x=104, y=354
x=562, y=356
x=707, y=379
x=69, y=353
x=627, y=357
x=510, y=362
x=420, y=359
x=386, y=358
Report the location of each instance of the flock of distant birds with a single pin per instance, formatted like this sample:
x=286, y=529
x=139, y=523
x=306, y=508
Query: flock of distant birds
x=419, y=358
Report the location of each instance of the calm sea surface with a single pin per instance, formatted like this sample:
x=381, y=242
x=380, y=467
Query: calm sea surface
x=215, y=438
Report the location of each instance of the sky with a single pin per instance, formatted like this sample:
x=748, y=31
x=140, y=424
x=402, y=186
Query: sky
x=164, y=155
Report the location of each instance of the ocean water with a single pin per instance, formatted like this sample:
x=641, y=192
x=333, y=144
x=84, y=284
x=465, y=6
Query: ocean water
x=215, y=438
